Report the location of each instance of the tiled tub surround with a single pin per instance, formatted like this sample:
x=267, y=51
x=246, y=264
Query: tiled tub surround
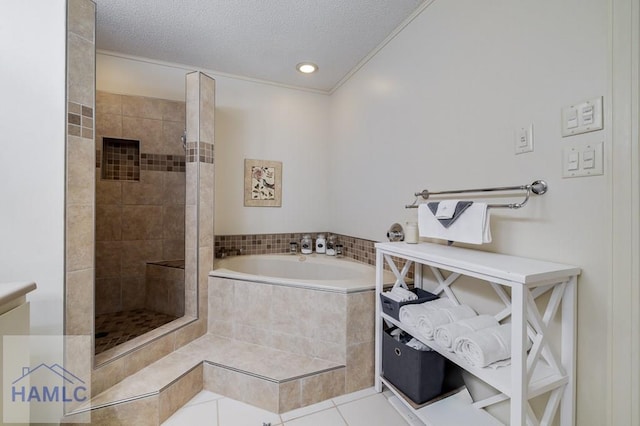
x=311, y=306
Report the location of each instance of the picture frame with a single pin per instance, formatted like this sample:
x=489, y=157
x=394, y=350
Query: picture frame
x=262, y=183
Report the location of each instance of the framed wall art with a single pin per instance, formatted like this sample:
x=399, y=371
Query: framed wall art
x=262, y=183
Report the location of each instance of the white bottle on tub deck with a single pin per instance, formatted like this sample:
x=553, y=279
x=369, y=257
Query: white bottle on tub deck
x=306, y=245
x=321, y=244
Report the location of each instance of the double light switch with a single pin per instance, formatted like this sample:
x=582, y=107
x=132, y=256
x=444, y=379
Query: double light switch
x=582, y=118
x=582, y=160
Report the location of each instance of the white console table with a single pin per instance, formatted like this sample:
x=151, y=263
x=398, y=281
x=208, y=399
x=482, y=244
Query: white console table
x=536, y=372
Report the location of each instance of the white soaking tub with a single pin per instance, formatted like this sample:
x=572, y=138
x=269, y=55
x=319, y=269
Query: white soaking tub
x=314, y=271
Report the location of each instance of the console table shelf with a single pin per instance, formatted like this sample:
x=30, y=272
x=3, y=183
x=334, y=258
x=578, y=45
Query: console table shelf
x=536, y=372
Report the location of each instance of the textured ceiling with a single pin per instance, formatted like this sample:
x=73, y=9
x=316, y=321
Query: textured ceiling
x=260, y=39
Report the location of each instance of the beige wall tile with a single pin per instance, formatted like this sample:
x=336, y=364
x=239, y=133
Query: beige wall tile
x=290, y=396
x=180, y=392
x=174, y=188
x=221, y=328
x=108, y=222
x=108, y=259
x=79, y=302
x=109, y=126
x=192, y=106
x=221, y=299
x=252, y=304
x=360, y=366
x=142, y=223
x=136, y=254
x=174, y=111
x=150, y=353
x=173, y=222
x=172, y=132
x=108, y=295
x=191, y=184
x=206, y=204
x=242, y=387
x=79, y=237
x=190, y=332
x=141, y=107
x=147, y=131
x=133, y=292
x=80, y=70
x=108, y=103
x=205, y=255
x=107, y=375
x=360, y=317
x=81, y=18
x=329, y=313
x=80, y=171
x=173, y=249
x=291, y=311
x=207, y=108
x=322, y=386
x=108, y=192
x=148, y=191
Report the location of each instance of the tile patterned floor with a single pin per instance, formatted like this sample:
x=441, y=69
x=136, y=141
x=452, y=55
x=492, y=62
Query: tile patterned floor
x=115, y=328
x=363, y=408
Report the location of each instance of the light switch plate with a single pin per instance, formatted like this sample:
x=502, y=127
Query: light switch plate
x=590, y=161
x=523, y=139
x=582, y=117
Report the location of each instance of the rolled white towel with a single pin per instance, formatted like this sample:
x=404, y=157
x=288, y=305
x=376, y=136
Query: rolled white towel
x=410, y=314
x=445, y=335
x=432, y=319
x=486, y=346
x=400, y=294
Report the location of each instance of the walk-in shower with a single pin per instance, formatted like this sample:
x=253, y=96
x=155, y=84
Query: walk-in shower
x=140, y=216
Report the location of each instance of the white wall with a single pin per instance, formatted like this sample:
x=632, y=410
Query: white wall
x=256, y=121
x=32, y=107
x=437, y=108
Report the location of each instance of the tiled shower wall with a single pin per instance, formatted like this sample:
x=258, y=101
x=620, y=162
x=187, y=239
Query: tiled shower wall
x=137, y=221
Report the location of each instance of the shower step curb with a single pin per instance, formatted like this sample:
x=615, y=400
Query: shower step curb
x=274, y=380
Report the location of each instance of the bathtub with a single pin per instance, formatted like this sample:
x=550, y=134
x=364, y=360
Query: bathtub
x=319, y=272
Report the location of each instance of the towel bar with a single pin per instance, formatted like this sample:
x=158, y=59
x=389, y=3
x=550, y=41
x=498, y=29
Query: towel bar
x=537, y=187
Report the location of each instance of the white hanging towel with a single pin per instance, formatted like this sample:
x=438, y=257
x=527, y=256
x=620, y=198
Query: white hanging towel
x=471, y=227
x=486, y=346
x=445, y=335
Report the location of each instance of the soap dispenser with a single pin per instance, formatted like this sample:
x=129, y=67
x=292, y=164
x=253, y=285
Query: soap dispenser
x=331, y=245
x=306, y=245
x=321, y=244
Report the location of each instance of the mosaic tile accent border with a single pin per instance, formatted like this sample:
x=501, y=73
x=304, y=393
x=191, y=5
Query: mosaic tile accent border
x=354, y=248
x=206, y=152
x=163, y=163
x=79, y=120
x=154, y=162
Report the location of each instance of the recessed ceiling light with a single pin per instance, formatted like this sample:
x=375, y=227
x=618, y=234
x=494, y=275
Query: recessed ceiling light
x=307, y=67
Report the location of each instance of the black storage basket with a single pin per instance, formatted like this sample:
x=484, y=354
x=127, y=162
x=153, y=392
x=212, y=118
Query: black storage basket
x=392, y=308
x=417, y=374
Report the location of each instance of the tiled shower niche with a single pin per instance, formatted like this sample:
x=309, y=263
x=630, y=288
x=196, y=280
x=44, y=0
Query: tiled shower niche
x=120, y=159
